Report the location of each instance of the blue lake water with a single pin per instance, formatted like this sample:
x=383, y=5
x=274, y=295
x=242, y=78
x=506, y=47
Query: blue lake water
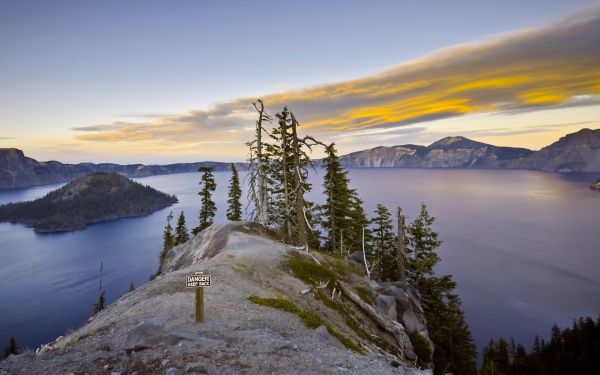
x=523, y=246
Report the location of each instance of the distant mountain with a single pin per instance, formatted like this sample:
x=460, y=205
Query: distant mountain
x=97, y=197
x=17, y=170
x=576, y=152
x=449, y=152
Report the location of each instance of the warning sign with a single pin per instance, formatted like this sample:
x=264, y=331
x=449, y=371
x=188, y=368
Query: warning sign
x=198, y=279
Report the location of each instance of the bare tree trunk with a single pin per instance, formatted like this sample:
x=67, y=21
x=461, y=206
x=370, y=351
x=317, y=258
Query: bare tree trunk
x=391, y=326
x=262, y=189
x=286, y=192
x=299, y=196
x=401, y=255
x=365, y=254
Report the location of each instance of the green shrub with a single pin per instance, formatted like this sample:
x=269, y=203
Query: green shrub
x=310, y=272
x=421, y=347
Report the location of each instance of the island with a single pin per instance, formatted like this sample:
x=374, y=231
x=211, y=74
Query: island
x=90, y=199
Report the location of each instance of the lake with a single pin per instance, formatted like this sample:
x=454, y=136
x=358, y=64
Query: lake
x=522, y=245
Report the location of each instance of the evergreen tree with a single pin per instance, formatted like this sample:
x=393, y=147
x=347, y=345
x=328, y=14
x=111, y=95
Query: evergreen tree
x=341, y=207
x=168, y=239
x=234, y=211
x=99, y=306
x=454, y=347
x=421, y=251
x=287, y=176
x=384, y=245
x=208, y=208
x=11, y=348
x=574, y=350
x=181, y=233
x=131, y=286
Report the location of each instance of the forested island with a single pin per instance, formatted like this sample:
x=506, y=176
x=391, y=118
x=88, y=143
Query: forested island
x=96, y=197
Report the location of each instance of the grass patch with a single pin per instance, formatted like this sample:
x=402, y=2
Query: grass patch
x=365, y=294
x=310, y=272
x=309, y=319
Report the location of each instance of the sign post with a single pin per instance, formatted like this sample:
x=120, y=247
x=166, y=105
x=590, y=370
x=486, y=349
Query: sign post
x=198, y=280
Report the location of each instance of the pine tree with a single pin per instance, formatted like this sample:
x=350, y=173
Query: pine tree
x=11, y=348
x=423, y=242
x=341, y=207
x=454, y=347
x=384, y=244
x=287, y=176
x=99, y=306
x=181, y=233
x=234, y=211
x=208, y=208
x=168, y=239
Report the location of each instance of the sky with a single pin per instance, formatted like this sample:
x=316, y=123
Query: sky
x=162, y=81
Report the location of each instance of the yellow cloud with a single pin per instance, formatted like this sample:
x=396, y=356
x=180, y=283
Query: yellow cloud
x=524, y=71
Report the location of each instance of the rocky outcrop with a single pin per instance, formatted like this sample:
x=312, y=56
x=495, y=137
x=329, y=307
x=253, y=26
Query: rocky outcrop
x=17, y=170
x=595, y=186
x=96, y=197
x=577, y=152
x=152, y=330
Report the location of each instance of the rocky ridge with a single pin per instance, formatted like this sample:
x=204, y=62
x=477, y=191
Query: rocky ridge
x=17, y=170
x=152, y=330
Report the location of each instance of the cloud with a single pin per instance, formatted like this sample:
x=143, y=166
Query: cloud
x=551, y=67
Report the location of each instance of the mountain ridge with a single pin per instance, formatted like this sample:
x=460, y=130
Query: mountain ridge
x=18, y=170
x=574, y=152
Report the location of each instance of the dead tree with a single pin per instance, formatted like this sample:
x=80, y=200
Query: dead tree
x=300, y=159
x=257, y=173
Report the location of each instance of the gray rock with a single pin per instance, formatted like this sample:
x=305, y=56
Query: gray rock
x=199, y=368
x=147, y=335
x=173, y=371
x=386, y=305
x=322, y=334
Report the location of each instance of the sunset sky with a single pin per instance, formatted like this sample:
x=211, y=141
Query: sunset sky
x=173, y=81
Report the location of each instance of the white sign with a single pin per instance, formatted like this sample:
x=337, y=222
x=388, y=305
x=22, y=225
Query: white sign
x=198, y=279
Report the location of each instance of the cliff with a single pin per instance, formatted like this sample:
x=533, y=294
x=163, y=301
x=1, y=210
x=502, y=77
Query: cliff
x=93, y=198
x=576, y=152
x=152, y=330
x=17, y=170
x=449, y=152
